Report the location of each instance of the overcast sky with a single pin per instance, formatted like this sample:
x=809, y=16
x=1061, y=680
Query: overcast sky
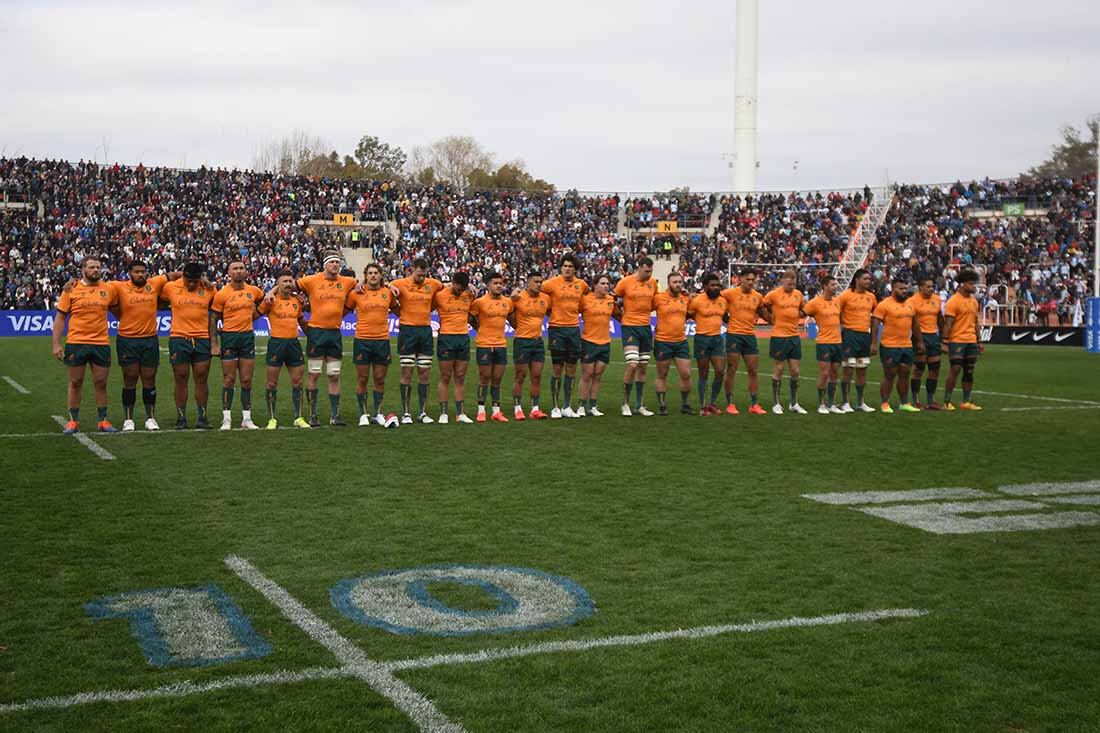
x=609, y=95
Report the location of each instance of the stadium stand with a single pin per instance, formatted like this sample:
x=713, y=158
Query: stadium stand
x=1034, y=262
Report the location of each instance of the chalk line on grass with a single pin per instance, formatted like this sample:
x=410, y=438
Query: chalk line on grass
x=16, y=385
x=1046, y=489
x=181, y=689
x=886, y=497
x=419, y=708
x=87, y=442
x=698, y=632
x=1049, y=407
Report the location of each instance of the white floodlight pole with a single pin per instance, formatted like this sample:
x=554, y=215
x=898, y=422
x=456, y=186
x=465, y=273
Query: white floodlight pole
x=745, y=100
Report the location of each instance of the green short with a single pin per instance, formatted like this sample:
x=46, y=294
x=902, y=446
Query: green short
x=183, y=350
x=742, y=343
x=895, y=356
x=709, y=347
x=782, y=348
x=857, y=344
x=565, y=344
x=453, y=347
x=525, y=351
x=324, y=343
x=414, y=341
x=284, y=352
x=830, y=353
x=492, y=355
x=933, y=347
x=238, y=345
x=143, y=350
x=591, y=353
x=81, y=354
x=640, y=337
x=962, y=352
x=371, y=351
x=665, y=350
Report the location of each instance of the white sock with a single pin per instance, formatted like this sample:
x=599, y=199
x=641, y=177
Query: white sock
x=246, y=414
x=481, y=409
x=227, y=415
x=496, y=409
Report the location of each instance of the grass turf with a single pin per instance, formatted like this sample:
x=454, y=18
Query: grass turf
x=667, y=523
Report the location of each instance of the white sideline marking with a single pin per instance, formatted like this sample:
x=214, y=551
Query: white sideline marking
x=1045, y=489
x=181, y=689
x=885, y=497
x=1046, y=407
x=950, y=518
x=16, y=385
x=420, y=709
x=699, y=632
x=87, y=442
x=1084, y=500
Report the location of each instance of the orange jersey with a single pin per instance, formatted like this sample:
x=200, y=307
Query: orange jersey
x=190, y=309
x=86, y=306
x=416, y=300
x=237, y=307
x=454, y=311
x=529, y=313
x=372, y=313
x=928, y=312
x=785, y=308
x=137, y=307
x=708, y=314
x=597, y=318
x=671, y=316
x=964, y=309
x=826, y=314
x=282, y=316
x=492, y=314
x=743, y=309
x=856, y=309
x=326, y=298
x=897, y=322
x=566, y=305
x=637, y=299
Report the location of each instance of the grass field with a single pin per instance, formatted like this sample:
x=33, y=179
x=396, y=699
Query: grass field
x=667, y=523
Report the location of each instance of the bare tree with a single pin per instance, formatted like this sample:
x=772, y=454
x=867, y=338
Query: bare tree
x=451, y=159
x=290, y=154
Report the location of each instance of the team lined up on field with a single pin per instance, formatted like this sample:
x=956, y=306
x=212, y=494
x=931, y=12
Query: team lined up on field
x=914, y=330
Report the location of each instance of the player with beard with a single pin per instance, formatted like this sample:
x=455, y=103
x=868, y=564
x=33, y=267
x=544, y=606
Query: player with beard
x=708, y=309
x=236, y=306
x=189, y=340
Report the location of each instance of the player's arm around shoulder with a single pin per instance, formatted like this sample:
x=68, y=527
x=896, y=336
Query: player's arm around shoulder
x=918, y=340
x=212, y=328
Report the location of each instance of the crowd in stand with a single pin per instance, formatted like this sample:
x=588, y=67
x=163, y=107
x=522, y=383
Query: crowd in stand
x=1038, y=262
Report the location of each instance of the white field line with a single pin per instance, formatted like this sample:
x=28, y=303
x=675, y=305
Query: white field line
x=1047, y=489
x=181, y=689
x=699, y=632
x=887, y=497
x=87, y=442
x=16, y=385
x=1049, y=407
x=420, y=709
x=996, y=394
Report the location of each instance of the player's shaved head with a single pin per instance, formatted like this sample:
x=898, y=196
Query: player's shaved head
x=534, y=282
x=237, y=271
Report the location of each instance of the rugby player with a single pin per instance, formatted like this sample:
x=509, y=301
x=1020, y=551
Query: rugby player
x=236, y=306
x=636, y=293
x=960, y=339
x=189, y=341
x=372, y=304
x=670, y=342
x=489, y=314
x=326, y=290
x=784, y=305
x=565, y=291
x=856, y=305
x=530, y=307
x=415, y=295
x=929, y=310
x=900, y=340
x=598, y=308
x=825, y=311
x=708, y=309
x=745, y=305
x=453, y=346
x=285, y=312
x=83, y=309
x=137, y=344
